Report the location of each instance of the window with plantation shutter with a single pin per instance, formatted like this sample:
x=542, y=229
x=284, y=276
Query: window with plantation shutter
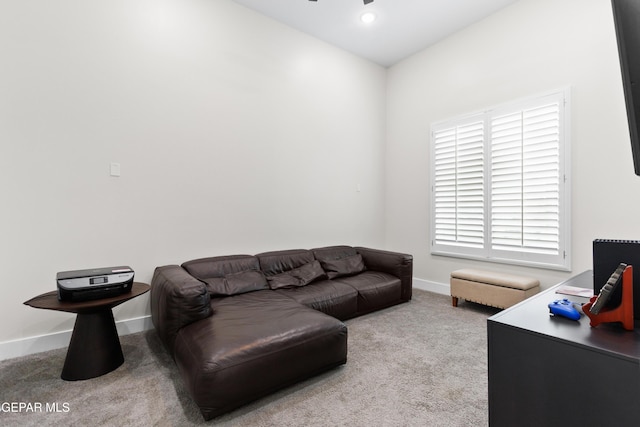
x=499, y=186
x=459, y=184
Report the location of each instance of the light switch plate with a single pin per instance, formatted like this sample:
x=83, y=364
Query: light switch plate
x=115, y=169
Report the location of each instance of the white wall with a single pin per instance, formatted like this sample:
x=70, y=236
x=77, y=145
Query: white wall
x=530, y=47
x=238, y=135
x=235, y=134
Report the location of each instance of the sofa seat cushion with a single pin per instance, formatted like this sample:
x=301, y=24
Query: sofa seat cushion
x=376, y=290
x=254, y=344
x=333, y=298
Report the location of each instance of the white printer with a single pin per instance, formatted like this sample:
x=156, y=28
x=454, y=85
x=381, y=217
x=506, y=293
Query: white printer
x=96, y=283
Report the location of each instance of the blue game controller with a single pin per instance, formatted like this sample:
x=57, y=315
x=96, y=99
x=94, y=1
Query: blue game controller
x=564, y=308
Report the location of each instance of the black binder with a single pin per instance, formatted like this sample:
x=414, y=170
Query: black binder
x=607, y=254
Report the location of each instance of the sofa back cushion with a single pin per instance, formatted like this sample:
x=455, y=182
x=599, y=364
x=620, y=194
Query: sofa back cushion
x=228, y=275
x=333, y=252
x=339, y=261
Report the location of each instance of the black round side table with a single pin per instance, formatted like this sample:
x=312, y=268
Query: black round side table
x=95, y=348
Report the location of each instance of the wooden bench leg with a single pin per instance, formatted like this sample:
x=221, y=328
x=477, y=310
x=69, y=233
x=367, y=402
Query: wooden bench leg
x=454, y=301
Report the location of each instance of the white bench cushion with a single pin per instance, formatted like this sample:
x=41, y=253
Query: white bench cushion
x=496, y=278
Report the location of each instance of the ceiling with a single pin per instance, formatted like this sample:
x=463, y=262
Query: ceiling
x=402, y=27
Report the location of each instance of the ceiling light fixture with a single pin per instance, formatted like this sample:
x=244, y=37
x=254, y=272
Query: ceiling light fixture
x=365, y=1
x=368, y=17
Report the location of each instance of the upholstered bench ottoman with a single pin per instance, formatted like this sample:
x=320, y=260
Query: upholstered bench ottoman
x=491, y=288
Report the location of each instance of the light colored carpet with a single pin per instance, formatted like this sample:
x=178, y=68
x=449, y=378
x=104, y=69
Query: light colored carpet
x=423, y=363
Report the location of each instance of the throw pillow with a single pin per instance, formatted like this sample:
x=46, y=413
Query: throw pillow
x=283, y=280
x=300, y=276
x=309, y=272
x=347, y=266
x=237, y=283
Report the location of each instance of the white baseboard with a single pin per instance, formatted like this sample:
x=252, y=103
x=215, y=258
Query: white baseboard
x=426, y=285
x=37, y=344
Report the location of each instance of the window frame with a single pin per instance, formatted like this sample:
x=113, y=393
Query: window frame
x=559, y=261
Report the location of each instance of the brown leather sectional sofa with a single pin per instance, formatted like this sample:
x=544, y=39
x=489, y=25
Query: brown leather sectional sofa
x=240, y=327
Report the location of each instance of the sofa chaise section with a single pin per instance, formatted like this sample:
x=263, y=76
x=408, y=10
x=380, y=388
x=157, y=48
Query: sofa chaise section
x=254, y=344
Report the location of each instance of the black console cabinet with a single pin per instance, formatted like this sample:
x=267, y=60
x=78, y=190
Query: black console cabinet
x=551, y=371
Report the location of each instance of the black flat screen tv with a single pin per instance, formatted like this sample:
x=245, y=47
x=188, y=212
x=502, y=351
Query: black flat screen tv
x=626, y=17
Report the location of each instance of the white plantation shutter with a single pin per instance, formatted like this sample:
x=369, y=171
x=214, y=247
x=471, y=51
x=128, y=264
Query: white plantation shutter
x=525, y=180
x=459, y=185
x=499, y=188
